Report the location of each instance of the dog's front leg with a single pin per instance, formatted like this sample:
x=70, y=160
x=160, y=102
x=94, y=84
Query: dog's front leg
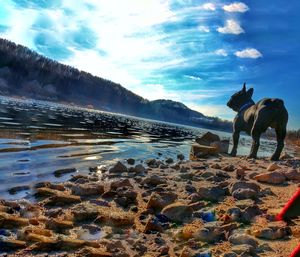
x=235, y=138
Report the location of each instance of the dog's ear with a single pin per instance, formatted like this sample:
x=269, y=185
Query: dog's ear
x=250, y=92
x=244, y=87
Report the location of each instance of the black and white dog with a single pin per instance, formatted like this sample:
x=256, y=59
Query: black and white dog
x=256, y=118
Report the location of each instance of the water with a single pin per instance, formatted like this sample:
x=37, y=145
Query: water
x=37, y=138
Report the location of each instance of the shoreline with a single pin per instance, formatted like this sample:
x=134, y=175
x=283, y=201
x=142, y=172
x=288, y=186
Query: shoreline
x=211, y=206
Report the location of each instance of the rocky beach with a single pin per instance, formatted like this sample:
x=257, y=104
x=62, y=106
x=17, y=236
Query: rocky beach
x=212, y=205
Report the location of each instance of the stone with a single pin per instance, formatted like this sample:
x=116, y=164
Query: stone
x=139, y=169
x=222, y=146
x=211, y=193
x=229, y=168
x=272, y=231
x=273, y=177
x=62, y=199
x=243, y=185
x=58, y=225
x=177, y=212
x=293, y=175
x=201, y=151
x=152, y=163
x=61, y=172
x=45, y=191
x=273, y=166
x=131, y=161
x=180, y=156
x=210, y=233
x=241, y=239
x=123, y=182
x=8, y=221
x=88, y=189
x=207, y=139
x=216, y=166
x=116, y=217
x=11, y=244
x=244, y=193
x=17, y=189
x=158, y=201
x=85, y=212
x=154, y=180
x=119, y=167
x=243, y=249
x=169, y=160
x=94, y=252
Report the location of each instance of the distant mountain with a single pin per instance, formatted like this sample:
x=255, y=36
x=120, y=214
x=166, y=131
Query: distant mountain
x=25, y=73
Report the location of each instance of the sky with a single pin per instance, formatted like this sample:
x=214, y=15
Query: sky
x=193, y=51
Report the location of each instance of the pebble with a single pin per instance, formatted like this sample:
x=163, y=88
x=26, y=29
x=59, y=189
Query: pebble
x=119, y=167
x=211, y=193
x=242, y=239
x=177, y=212
x=273, y=177
x=131, y=161
x=61, y=172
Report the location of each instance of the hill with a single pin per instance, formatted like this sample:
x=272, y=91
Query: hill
x=25, y=73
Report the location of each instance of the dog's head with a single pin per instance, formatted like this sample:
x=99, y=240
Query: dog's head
x=241, y=97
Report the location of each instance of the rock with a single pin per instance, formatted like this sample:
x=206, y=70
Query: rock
x=229, y=168
x=200, y=151
x=88, y=189
x=209, y=233
x=273, y=166
x=244, y=193
x=59, y=225
x=155, y=224
x=216, y=166
x=123, y=182
x=177, y=212
x=85, y=212
x=61, y=172
x=207, y=139
x=126, y=196
x=154, y=180
x=119, y=167
x=62, y=199
x=169, y=160
x=158, y=201
x=273, y=231
x=152, y=163
x=211, y=193
x=222, y=146
x=93, y=252
x=243, y=185
x=116, y=217
x=139, y=169
x=131, y=161
x=8, y=221
x=70, y=244
x=180, y=156
x=45, y=191
x=293, y=175
x=17, y=189
x=274, y=177
x=243, y=249
x=285, y=156
x=241, y=239
x=11, y=244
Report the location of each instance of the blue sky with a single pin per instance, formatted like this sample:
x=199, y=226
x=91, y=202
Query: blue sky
x=193, y=51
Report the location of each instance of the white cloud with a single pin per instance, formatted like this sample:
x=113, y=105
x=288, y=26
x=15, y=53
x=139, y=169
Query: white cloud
x=204, y=29
x=231, y=27
x=248, y=53
x=192, y=77
x=221, y=52
x=208, y=7
x=236, y=7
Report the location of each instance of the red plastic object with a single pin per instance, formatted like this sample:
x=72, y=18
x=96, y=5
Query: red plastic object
x=291, y=209
x=296, y=252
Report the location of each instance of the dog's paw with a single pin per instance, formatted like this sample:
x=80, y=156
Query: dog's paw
x=233, y=154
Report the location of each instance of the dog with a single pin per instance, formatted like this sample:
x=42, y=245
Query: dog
x=256, y=118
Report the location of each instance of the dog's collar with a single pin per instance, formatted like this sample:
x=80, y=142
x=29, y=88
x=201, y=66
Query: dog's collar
x=246, y=105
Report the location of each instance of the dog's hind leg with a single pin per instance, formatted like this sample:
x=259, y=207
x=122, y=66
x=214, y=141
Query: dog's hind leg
x=280, y=135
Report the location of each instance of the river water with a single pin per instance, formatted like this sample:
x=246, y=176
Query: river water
x=38, y=137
